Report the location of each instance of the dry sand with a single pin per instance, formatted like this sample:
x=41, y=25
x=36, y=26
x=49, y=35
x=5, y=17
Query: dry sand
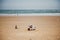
x=47, y=28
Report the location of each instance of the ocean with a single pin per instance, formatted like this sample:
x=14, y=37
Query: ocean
x=29, y=11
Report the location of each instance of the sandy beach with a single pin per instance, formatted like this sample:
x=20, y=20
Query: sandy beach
x=47, y=28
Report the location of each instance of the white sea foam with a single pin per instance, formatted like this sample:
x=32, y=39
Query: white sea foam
x=31, y=14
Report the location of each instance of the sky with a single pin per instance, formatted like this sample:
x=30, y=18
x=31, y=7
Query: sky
x=29, y=4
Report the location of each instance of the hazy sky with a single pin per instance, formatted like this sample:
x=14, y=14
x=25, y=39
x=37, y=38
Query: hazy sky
x=29, y=4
